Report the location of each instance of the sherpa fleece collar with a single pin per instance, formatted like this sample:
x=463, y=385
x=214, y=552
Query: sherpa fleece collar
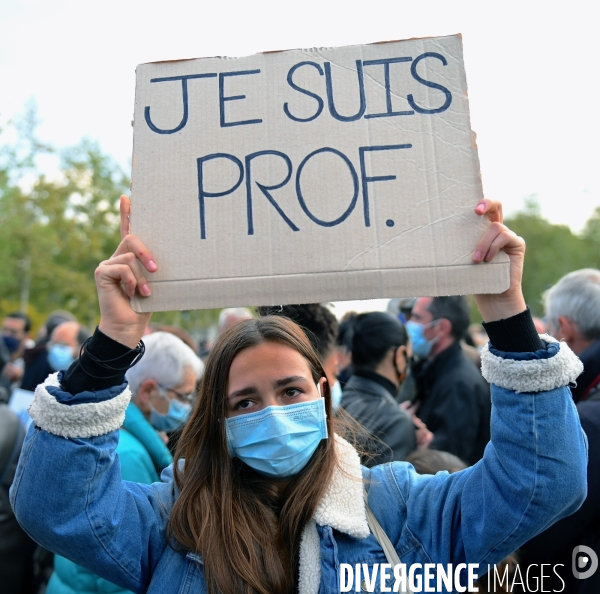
x=342, y=508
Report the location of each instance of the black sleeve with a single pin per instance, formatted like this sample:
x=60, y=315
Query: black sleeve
x=389, y=433
x=398, y=434
x=516, y=334
x=452, y=432
x=88, y=372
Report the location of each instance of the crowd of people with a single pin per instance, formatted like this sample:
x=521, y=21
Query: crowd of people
x=407, y=384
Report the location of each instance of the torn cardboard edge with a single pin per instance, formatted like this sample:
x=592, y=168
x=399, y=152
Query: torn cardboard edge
x=196, y=120
x=292, y=49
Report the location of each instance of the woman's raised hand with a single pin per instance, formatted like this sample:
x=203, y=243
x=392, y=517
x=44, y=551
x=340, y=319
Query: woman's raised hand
x=118, y=279
x=499, y=237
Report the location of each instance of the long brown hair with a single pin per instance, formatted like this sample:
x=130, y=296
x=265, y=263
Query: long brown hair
x=247, y=532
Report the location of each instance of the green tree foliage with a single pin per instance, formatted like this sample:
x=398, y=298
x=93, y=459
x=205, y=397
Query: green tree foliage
x=591, y=236
x=55, y=229
x=552, y=250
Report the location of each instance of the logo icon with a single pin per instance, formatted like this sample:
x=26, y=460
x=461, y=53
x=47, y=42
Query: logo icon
x=585, y=562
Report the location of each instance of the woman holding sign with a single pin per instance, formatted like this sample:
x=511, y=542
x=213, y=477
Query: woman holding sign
x=265, y=495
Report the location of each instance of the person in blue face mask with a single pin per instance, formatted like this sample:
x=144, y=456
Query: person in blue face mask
x=64, y=345
x=14, y=334
x=265, y=495
x=164, y=382
x=274, y=425
x=163, y=385
x=452, y=398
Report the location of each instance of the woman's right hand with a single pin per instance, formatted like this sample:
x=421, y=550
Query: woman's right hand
x=118, y=279
x=499, y=237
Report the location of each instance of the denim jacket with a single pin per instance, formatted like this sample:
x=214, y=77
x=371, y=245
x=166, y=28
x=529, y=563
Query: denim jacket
x=69, y=496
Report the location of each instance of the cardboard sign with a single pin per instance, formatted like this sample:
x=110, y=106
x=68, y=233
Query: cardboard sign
x=309, y=175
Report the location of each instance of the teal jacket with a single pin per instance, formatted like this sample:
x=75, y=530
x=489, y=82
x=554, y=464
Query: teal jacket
x=142, y=455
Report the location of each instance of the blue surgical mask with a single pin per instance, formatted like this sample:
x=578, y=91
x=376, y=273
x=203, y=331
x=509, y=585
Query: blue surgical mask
x=420, y=345
x=278, y=441
x=336, y=395
x=60, y=356
x=174, y=418
x=12, y=343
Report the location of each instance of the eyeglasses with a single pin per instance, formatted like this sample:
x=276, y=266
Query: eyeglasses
x=184, y=397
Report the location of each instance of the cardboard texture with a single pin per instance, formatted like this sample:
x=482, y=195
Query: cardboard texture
x=309, y=175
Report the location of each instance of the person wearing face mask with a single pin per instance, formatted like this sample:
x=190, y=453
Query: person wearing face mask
x=36, y=357
x=380, y=352
x=55, y=354
x=15, y=336
x=65, y=343
x=572, y=308
x=452, y=398
x=265, y=496
x=162, y=386
x=321, y=328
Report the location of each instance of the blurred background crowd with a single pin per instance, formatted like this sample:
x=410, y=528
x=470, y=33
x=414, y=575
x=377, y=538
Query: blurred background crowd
x=408, y=375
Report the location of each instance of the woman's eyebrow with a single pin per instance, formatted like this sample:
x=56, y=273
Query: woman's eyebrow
x=289, y=380
x=249, y=391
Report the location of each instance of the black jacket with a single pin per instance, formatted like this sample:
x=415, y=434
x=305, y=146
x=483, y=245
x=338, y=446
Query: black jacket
x=374, y=407
x=454, y=404
x=16, y=548
x=588, y=383
x=37, y=368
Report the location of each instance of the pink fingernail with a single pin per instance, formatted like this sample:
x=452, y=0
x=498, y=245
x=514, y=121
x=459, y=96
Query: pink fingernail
x=145, y=290
x=477, y=255
x=151, y=265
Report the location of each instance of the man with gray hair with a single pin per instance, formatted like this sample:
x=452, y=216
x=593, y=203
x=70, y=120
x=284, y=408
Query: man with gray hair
x=573, y=313
x=162, y=384
x=229, y=316
x=164, y=381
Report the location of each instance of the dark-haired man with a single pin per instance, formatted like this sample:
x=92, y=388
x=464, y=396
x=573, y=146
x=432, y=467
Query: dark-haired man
x=15, y=332
x=453, y=400
x=321, y=328
x=59, y=352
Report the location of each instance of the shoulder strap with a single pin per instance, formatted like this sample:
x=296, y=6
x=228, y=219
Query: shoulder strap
x=384, y=542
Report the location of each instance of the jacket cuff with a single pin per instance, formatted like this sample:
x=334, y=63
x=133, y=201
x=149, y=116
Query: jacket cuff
x=537, y=371
x=514, y=334
x=88, y=374
x=56, y=415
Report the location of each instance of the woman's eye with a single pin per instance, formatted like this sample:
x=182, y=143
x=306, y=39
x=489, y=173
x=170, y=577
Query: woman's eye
x=243, y=404
x=292, y=392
